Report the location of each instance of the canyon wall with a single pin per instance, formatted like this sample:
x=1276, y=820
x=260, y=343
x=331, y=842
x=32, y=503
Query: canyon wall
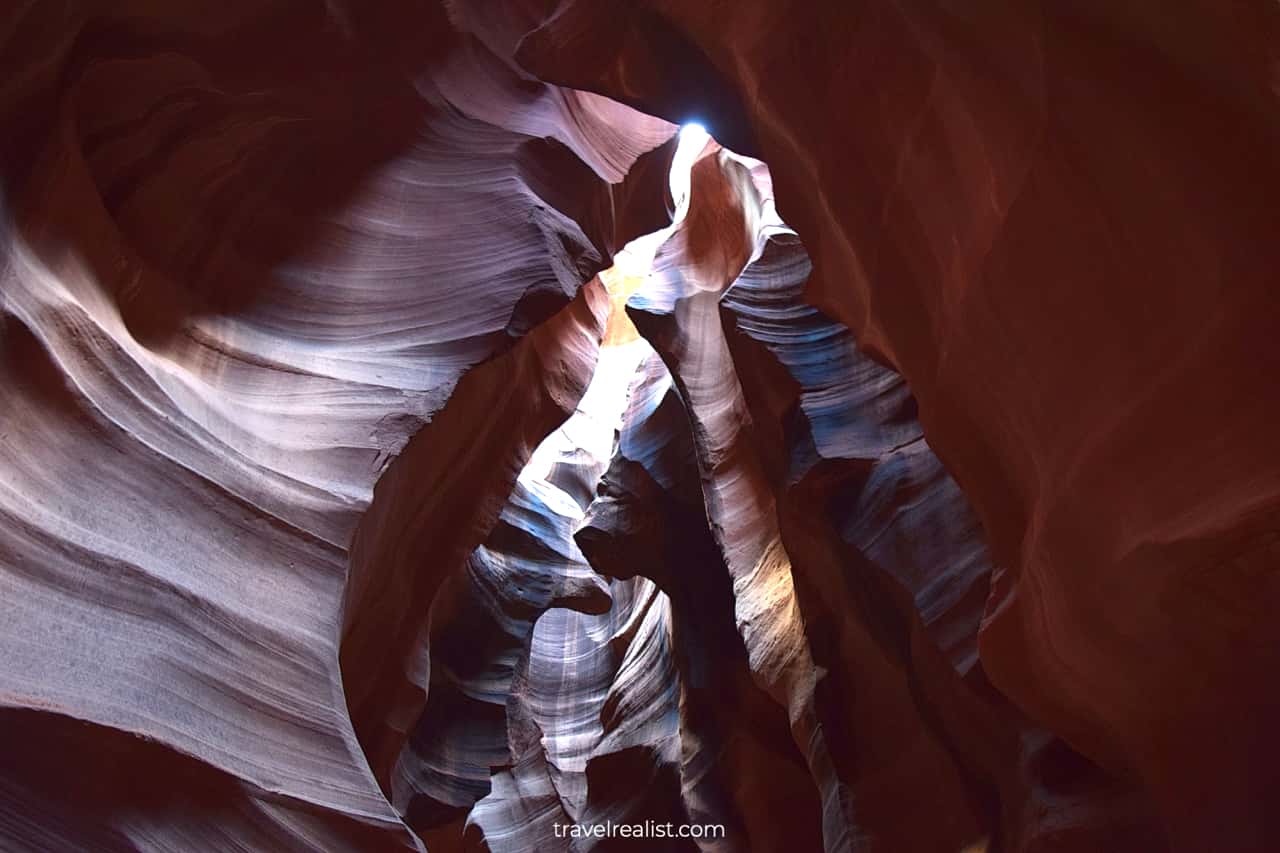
x=918, y=496
x=277, y=295
x=1056, y=221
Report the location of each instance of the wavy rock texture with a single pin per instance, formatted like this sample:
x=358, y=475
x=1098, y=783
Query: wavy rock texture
x=349, y=502
x=240, y=284
x=1055, y=222
x=738, y=765
x=892, y=572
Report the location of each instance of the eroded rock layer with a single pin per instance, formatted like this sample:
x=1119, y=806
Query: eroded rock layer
x=1056, y=222
x=351, y=501
x=241, y=285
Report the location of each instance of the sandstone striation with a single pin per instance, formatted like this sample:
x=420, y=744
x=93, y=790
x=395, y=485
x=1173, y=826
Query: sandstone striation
x=410, y=439
x=1055, y=222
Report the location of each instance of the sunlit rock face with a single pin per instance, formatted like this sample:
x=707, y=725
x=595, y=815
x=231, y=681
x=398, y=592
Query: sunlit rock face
x=1056, y=222
x=408, y=443
x=858, y=571
x=252, y=254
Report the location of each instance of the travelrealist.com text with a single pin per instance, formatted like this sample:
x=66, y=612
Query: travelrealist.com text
x=647, y=829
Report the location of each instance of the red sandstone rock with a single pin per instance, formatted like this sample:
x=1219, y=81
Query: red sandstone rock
x=943, y=516
x=249, y=253
x=1057, y=223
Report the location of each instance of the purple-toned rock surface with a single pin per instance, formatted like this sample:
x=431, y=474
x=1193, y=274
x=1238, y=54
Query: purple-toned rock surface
x=409, y=441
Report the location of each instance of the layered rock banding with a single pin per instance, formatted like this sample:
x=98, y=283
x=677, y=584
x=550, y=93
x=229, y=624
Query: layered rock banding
x=351, y=501
x=1055, y=222
x=239, y=289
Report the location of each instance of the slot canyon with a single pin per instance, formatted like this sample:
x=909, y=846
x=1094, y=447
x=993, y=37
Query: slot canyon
x=552, y=426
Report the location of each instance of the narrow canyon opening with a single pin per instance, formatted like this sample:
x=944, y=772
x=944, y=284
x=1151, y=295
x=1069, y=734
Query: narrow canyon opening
x=590, y=642
x=719, y=512
x=413, y=438
x=608, y=703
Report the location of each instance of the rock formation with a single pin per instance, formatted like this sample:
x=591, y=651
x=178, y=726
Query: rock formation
x=410, y=441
